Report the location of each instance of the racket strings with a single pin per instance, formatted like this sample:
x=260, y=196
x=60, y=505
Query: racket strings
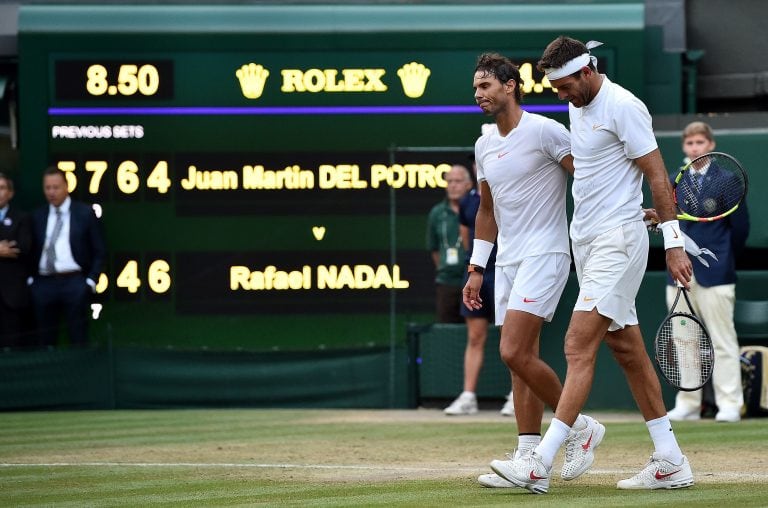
x=713, y=185
x=684, y=352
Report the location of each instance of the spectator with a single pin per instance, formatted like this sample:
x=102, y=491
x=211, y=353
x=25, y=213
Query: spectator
x=69, y=252
x=444, y=243
x=477, y=320
x=713, y=291
x=15, y=245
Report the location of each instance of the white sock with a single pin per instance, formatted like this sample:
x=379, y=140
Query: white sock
x=552, y=441
x=664, y=439
x=468, y=394
x=528, y=442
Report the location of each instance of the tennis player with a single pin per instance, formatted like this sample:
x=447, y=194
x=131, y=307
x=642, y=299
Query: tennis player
x=613, y=147
x=523, y=163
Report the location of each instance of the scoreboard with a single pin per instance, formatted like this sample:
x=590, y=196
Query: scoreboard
x=264, y=173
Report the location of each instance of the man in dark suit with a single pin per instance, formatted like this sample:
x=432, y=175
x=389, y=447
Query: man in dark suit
x=15, y=247
x=713, y=288
x=69, y=252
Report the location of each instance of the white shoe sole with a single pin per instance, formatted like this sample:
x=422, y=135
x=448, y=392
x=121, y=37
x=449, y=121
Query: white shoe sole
x=679, y=484
x=494, y=481
x=534, y=489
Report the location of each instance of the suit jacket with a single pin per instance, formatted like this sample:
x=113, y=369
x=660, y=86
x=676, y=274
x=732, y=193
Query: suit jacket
x=13, y=272
x=86, y=238
x=726, y=237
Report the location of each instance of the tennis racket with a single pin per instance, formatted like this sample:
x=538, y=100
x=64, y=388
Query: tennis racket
x=709, y=187
x=684, y=352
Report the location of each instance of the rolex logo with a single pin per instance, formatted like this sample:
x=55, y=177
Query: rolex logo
x=414, y=77
x=252, y=79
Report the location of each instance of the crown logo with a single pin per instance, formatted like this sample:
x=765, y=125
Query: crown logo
x=252, y=78
x=414, y=77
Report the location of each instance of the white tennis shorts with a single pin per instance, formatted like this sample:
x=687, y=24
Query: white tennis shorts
x=610, y=270
x=534, y=285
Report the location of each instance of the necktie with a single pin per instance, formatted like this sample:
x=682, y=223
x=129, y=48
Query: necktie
x=50, y=251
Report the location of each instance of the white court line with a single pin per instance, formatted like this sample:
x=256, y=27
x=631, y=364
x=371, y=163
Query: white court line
x=762, y=476
x=233, y=465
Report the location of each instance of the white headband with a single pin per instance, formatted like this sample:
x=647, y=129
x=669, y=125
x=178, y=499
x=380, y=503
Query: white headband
x=573, y=65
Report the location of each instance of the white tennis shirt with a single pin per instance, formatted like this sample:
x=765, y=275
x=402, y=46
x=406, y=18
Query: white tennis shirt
x=606, y=135
x=528, y=186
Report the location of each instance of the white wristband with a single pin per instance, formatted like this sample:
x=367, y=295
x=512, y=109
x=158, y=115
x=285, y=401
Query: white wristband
x=481, y=251
x=673, y=237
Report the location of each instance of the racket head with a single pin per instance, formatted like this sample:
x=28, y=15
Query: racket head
x=684, y=352
x=717, y=194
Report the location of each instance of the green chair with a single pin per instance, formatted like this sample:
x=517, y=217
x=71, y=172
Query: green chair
x=751, y=320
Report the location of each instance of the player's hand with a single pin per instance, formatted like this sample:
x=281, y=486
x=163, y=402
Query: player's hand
x=679, y=266
x=471, y=292
x=650, y=214
x=651, y=220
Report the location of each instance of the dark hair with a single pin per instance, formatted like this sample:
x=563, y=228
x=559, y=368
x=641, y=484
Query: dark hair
x=561, y=51
x=502, y=68
x=53, y=170
x=8, y=181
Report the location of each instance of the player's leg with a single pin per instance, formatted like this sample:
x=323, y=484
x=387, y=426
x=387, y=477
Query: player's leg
x=532, y=472
x=519, y=349
x=601, y=266
x=522, y=357
x=537, y=284
x=519, y=338
x=667, y=468
x=628, y=349
x=582, y=341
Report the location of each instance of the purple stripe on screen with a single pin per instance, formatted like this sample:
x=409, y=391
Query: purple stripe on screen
x=292, y=110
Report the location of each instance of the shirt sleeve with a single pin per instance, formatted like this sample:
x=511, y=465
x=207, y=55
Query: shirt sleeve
x=555, y=140
x=634, y=128
x=479, y=160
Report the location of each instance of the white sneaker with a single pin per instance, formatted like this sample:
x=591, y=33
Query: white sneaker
x=527, y=472
x=580, y=448
x=465, y=404
x=660, y=473
x=509, y=406
x=679, y=414
x=728, y=414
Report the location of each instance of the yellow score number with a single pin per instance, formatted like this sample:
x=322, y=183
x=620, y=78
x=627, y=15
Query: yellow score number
x=158, y=278
x=126, y=176
x=529, y=83
x=131, y=79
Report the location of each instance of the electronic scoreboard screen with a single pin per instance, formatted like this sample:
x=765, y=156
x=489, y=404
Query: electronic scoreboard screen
x=258, y=190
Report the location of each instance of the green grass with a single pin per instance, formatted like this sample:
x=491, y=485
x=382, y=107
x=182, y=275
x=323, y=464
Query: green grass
x=338, y=458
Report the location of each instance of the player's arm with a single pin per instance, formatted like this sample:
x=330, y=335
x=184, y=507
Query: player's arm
x=485, y=221
x=678, y=264
x=485, y=235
